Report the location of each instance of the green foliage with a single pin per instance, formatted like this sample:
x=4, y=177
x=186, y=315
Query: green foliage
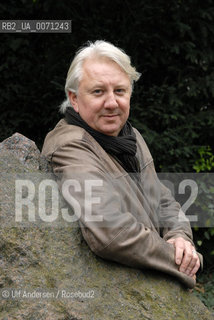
x=205, y=289
x=205, y=237
x=171, y=44
x=206, y=160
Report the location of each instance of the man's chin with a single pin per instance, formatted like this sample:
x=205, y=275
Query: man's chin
x=110, y=131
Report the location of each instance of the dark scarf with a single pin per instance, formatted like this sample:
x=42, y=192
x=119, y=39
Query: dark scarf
x=123, y=147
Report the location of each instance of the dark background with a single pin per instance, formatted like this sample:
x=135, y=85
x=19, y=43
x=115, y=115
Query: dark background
x=170, y=42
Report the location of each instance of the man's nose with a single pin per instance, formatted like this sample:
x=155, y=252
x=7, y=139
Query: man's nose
x=110, y=101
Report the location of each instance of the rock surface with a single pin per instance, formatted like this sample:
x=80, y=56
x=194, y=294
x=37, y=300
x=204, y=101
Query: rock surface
x=54, y=260
x=24, y=149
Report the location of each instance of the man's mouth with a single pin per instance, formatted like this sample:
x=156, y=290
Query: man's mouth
x=110, y=115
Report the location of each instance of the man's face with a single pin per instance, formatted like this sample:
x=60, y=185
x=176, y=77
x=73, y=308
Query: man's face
x=103, y=99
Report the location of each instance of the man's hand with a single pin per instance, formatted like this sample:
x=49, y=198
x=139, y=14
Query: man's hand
x=185, y=256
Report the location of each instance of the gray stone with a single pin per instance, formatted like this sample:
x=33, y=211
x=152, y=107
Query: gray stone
x=24, y=149
x=55, y=260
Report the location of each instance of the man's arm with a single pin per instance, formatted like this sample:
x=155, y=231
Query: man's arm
x=176, y=228
x=178, y=232
x=121, y=237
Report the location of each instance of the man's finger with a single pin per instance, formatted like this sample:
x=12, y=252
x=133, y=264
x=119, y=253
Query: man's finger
x=195, y=268
x=179, y=249
x=188, y=255
x=179, y=253
x=192, y=264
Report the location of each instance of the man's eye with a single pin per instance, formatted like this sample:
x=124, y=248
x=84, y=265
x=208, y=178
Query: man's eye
x=120, y=90
x=97, y=91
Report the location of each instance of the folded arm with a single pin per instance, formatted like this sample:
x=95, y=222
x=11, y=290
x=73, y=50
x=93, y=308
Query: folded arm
x=118, y=236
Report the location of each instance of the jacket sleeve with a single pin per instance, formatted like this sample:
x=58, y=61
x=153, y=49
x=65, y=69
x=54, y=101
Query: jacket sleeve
x=110, y=232
x=171, y=219
x=174, y=221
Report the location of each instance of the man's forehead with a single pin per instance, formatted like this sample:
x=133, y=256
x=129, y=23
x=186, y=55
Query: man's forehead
x=101, y=66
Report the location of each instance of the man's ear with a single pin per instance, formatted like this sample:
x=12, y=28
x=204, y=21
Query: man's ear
x=73, y=100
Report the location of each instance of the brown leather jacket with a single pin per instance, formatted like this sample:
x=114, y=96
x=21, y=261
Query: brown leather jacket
x=118, y=222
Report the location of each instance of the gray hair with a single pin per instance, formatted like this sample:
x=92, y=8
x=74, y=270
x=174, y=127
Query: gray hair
x=97, y=49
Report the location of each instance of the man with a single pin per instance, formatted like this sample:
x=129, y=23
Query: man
x=106, y=172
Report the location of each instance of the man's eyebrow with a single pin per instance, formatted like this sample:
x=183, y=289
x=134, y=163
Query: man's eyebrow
x=122, y=85
x=101, y=84
x=97, y=85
